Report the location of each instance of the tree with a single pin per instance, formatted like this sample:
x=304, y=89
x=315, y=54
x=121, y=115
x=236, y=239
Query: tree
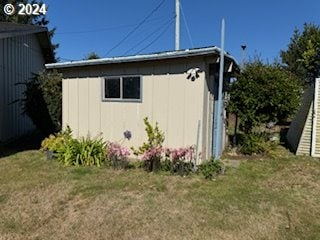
x=303, y=54
x=92, y=55
x=43, y=101
x=264, y=93
x=39, y=20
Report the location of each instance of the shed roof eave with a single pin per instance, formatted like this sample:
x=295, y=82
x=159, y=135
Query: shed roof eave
x=141, y=58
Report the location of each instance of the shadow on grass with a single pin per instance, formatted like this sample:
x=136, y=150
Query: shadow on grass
x=31, y=141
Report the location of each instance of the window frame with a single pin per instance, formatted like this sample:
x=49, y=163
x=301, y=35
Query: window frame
x=121, y=99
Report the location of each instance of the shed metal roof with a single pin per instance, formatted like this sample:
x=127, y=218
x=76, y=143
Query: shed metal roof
x=9, y=30
x=144, y=57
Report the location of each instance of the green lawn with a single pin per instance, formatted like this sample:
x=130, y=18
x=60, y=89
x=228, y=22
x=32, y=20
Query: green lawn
x=262, y=199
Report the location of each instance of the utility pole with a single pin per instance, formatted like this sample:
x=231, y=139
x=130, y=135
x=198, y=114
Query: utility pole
x=177, y=36
x=218, y=137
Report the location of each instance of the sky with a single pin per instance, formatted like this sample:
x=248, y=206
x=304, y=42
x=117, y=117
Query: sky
x=126, y=27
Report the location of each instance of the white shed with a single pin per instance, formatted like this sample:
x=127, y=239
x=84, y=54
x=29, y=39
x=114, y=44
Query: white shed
x=24, y=49
x=177, y=89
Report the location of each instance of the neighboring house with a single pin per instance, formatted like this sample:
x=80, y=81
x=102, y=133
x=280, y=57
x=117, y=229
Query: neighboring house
x=24, y=49
x=304, y=133
x=177, y=89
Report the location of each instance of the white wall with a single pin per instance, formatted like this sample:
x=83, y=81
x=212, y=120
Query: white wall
x=169, y=98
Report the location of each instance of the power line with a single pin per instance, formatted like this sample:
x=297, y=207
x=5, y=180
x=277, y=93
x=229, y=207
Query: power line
x=157, y=38
x=186, y=24
x=25, y=45
x=150, y=35
x=135, y=29
x=108, y=27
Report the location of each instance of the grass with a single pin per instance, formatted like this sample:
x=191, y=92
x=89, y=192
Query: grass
x=277, y=198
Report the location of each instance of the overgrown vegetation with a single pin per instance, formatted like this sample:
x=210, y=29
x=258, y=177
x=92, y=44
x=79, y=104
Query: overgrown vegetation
x=256, y=143
x=264, y=93
x=43, y=101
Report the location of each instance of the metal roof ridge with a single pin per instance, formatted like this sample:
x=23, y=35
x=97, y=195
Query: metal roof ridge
x=142, y=57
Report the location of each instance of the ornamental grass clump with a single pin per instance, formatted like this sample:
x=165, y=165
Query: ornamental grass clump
x=83, y=151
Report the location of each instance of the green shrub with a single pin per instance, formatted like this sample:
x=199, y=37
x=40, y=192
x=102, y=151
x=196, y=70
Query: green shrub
x=56, y=141
x=255, y=143
x=211, y=168
x=83, y=151
x=43, y=101
x=152, y=149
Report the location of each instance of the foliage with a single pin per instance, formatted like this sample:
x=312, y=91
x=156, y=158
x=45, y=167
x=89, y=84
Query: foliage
x=43, y=101
x=155, y=138
x=56, y=141
x=255, y=143
x=92, y=55
x=83, y=151
x=152, y=149
x=211, y=168
x=264, y=93
x=117, y=155
x=303, y=54
x=39, y=20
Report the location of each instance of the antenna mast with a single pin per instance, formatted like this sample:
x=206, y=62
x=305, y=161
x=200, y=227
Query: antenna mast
x=177, y=36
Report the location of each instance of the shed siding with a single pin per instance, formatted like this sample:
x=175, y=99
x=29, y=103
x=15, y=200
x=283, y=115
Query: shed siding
x=168, y=98
x=20, y=57
x=316, y=121
x=299, y=134
x=304, y=147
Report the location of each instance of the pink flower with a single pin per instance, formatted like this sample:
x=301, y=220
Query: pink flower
x=154, y=152
x=117, y=151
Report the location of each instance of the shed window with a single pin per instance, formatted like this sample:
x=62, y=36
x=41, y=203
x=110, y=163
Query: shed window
x=126, y=88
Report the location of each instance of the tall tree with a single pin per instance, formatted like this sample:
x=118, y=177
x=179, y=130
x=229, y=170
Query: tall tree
x=264, y=93
x=303, y=54
x=39, y=20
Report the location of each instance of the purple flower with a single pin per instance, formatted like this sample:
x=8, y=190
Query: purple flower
x=127, y=134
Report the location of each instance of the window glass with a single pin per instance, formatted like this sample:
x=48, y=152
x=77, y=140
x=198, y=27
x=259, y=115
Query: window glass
x=112, y=88
x=131, y=88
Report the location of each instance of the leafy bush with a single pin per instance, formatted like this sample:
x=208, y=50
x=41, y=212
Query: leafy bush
x=211, y=168
x=83, y=151
x=43, y=101
x=152, y=149
x=56, y=141
x=264, y=93
x=255, y=143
